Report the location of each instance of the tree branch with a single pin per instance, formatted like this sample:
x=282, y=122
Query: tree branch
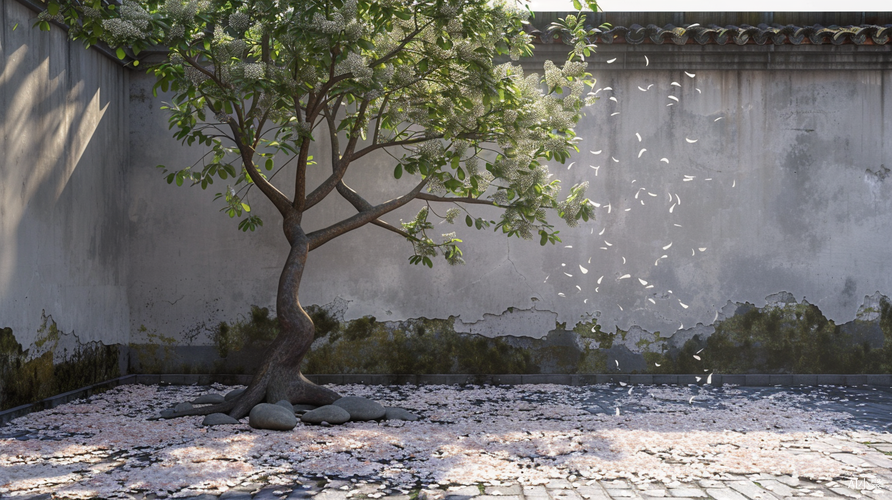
x=466, y=199
x=322, y=236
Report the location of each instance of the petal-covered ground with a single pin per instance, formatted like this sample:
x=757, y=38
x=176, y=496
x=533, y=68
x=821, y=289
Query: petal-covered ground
x=105, y=446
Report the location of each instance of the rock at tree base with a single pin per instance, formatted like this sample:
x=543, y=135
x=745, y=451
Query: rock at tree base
x=208, y=399
x=285, y=404
x=182, y=407
x=272, y=417
x=233, y=394
x=218, y=419
x=392, y=413
x=328, y=413
x=361, y=409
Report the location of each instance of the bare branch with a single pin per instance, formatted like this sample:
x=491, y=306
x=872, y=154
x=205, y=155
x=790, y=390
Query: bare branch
x=322, y=236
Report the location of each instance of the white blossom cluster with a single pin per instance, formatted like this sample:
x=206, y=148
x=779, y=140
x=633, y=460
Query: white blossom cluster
x=182, y=12
x=133, y=24
x=570, y=208
x=451, y=214
x=239, y=21
x=357, y=66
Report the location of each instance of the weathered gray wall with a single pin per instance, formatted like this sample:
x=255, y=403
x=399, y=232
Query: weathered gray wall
x=63, y=226
x=783, y=190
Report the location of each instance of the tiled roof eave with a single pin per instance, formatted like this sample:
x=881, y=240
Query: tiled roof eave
x=867, y=35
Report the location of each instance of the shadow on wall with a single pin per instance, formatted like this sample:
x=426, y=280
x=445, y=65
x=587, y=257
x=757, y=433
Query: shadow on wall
x=787, y=337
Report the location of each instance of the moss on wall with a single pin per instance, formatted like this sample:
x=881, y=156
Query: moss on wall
x=29, y=375
x=780, y=338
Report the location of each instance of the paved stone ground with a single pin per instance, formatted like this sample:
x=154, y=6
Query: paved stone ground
x=872, y=479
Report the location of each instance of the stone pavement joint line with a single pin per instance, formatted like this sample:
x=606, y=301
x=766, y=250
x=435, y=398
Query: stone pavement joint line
x=753, y=487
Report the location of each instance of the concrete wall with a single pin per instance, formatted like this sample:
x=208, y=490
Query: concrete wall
x=63, y=230
x=765, y=187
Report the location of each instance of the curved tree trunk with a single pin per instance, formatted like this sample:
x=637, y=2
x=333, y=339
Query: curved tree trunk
x=279, y=376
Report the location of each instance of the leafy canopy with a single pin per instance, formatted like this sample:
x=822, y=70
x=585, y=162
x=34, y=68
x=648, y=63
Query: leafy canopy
x=431, y=83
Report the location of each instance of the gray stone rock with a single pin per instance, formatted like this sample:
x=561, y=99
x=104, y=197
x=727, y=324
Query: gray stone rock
x=167, y=412
x=218, y=419
x=233, y=394
x=361, y=409
x=272, y=417
x=285, y=404
x=304, y=408
x=183, y=407
x=393, y=413
x=328, y=413
x=208, y=399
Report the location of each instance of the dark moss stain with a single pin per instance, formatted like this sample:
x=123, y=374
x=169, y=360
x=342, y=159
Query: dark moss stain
x=793, y=338
x=26, y=379
x=783, y=338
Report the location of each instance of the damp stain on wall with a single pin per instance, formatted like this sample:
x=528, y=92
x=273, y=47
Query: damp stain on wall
x=49, y=367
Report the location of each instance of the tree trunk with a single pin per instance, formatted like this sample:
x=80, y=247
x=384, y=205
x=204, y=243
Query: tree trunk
x=279, y=376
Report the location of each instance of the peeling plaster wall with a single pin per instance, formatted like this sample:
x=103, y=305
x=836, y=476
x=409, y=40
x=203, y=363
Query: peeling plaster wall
x=63, y=230
x=773, y=181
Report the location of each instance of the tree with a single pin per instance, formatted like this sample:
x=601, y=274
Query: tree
x=255, y=81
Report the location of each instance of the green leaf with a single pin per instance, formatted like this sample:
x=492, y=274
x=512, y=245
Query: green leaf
x=398, y=171
x=422, y=66
x=544, y=238
x=120, y=53
x=469, y=221
x=269, y=164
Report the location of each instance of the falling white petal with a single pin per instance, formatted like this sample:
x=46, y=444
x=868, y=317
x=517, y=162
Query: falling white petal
x=677, y=198
x=568, y=246
x=614, y=159
x=596, y=152
x=670, y=104
x=611, y=61
x=585, y=301
x=608, y=88
x=734, y=183
x=693, y=252
x=608, y=208
x=642, y=281
x=649, y=86
x=546, y=278
x=561, y=294
x=673, y=98
x=646, y=61
x=617, y=362
x=698, y=90
x=701, y=350
x=696, y=357
x=642, y=89
x=677, y=225
x=691, y=401
x=698, y=378
x=638, y=136
x=626, y=210
x=709, y=379
x=613, y=99
x=625, y=276
x=651, y=194
x=717, y=119
x=602, y=231
x=623, y=384
x=664, y=160
x=624, y=261
x=683, y=305
x=652, y=301
x=569, y=275
x=691, y=141
x=667, y=246
x=676, y=84
x=617, y=410
x=596, y=289
x=579, y=288
x=614, y=114
x=583, y=270
x=656, y=364
x=589, y=260
x=648, y=286
x=641, y=152
x=620, y=307
x=608, y=243
x=571, y=165
x=690, y=75
x=599, y=280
